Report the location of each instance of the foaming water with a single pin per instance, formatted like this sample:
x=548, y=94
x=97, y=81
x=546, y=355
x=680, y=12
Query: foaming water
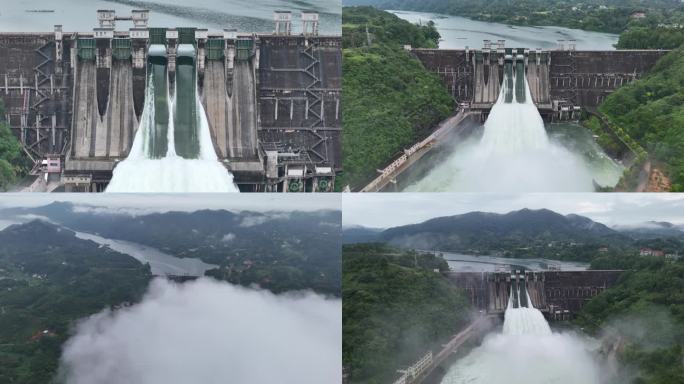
x=514, y=154
x=526, y=352
x=143, y=171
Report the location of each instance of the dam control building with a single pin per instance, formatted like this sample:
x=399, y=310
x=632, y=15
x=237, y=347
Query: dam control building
x=273, y=100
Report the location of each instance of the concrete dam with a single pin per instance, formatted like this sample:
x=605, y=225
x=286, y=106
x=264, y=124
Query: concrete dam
x=272, y=101
x=561, y=82
x=557, y=294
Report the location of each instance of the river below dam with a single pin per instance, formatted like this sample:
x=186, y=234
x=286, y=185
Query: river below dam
x=456, y=166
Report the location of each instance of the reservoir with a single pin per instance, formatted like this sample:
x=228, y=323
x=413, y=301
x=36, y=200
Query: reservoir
x=215, y=15
x=459, y=32
x=469, y=263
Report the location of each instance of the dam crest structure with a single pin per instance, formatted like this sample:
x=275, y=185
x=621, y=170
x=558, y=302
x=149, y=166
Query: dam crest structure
x=272, y=100
x=562, y=81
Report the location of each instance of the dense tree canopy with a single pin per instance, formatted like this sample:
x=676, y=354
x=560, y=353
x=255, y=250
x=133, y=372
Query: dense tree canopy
x=47, y=283
x=395, y=308
x=12, y=161
x=651, y=111
x=640, y=37
x=649, y=297
x=390, y=101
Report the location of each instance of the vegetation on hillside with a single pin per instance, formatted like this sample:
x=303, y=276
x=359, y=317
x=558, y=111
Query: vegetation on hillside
x=278, y=251
x=12, y=160
x=651, y=111
x=395, y=308
x=612, y=16
x=390, y=101
x=49, y=279
x=647, y=37
x=646, y=310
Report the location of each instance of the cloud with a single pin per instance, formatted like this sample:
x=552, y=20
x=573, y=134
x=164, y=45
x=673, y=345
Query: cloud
x=254, y=220
x=111, y=210
x=141, y=203
x=227, y=238
x=211, y=333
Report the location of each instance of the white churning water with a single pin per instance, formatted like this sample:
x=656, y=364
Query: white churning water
x=141, y=172
x=513, y=155
x=526, y=352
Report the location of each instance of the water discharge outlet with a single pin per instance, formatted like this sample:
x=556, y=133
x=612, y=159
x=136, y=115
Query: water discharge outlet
x=172, y=150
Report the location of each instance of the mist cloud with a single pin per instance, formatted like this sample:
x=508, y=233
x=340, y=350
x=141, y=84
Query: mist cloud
x=206, y=332
x=227, y=238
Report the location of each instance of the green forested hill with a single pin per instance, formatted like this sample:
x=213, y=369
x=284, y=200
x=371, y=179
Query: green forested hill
x=651, y=37
x=12, y=160
x=49, y=279
x=646, y=309
x=395, y=307
x=390, y=101
x=521, y=234
x=651, y=111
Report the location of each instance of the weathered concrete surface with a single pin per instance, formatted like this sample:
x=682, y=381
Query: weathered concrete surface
x=538, y=79
x=108, y=136
x=487, y=84
x=232, y=116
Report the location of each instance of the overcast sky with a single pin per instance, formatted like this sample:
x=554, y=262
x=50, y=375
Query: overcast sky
x=260, y=202
x=382, y=210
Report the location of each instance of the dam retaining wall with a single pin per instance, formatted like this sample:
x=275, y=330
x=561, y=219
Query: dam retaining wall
x=272, y=101
x=560, y=81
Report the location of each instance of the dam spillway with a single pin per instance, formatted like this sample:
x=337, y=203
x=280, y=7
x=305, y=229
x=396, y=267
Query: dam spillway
x=272, y=101
x=186, y=112
x=172, y=150
x=156, y=144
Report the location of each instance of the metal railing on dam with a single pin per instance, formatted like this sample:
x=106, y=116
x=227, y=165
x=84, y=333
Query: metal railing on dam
x=415, y=152
x=272, y=100
x=429, y=363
